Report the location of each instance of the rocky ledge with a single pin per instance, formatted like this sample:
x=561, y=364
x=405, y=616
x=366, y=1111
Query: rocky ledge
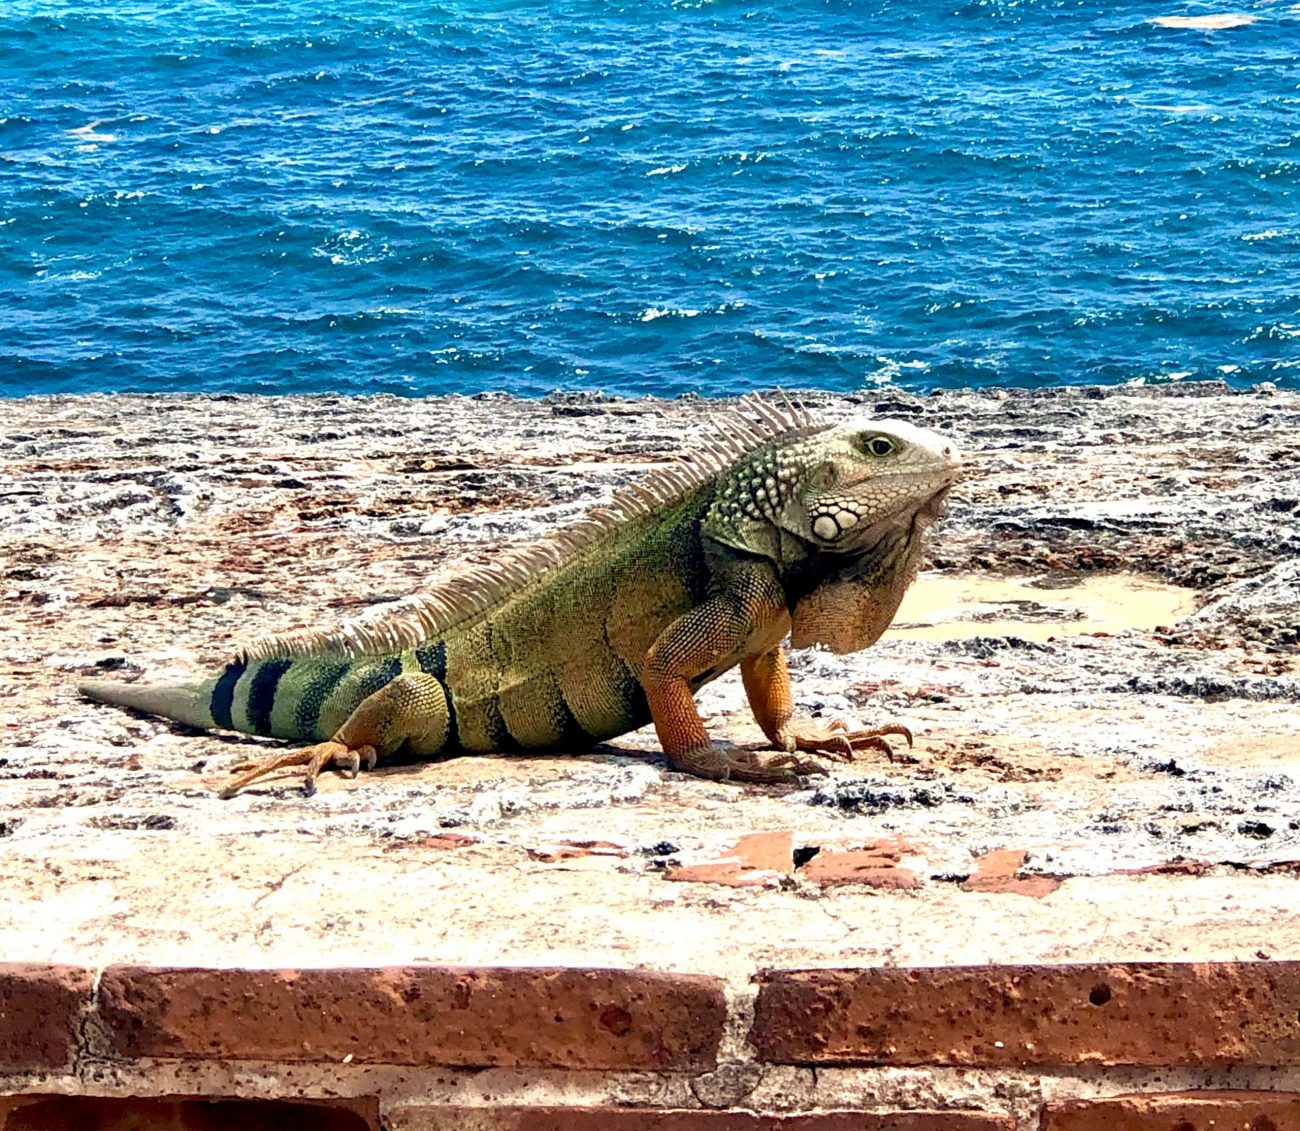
x=1101, y=665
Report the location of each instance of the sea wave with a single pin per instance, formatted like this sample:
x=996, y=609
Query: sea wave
x=654, y=313
x=90, y=132
x=646, y=198
x=1207, y=22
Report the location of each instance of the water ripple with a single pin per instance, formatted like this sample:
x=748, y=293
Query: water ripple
x=661, y=197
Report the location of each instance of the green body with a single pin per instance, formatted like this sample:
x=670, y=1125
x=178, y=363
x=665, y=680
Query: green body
x=554, y=666
x=779, y=525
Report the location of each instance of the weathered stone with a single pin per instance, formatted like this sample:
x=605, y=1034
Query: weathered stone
x=999, y=872
x=536, y=1018
x=1168, y=1014
x=650, y=1119
x=875, y=866
x=144, y=536
x=756, y=860
x=1178, y=1111
x=574, y=850
x=40, y=1014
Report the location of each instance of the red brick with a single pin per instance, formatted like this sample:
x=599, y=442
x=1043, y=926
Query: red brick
x=40, y=1014
x=756, y=860
x=872, y=865
x=998, y=872
x=101, y=1113
x=1146, y=1013
x=536, y=1018
x=1180, y=1111
x=643, y=1119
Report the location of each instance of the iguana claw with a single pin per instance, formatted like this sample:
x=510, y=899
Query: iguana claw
x=730, y=764
x=315, y=758
x=837, y=741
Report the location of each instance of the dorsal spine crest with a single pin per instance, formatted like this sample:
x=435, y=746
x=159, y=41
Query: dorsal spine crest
x=415, y=620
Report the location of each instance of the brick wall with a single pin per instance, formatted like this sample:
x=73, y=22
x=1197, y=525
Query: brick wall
x=1011, y=1048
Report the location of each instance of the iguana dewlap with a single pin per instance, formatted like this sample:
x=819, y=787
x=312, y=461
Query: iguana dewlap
x=775, y=526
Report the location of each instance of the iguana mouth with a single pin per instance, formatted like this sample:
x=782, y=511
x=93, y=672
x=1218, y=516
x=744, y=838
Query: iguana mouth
x=927, y=511
x=886, y=529
x=935, y=505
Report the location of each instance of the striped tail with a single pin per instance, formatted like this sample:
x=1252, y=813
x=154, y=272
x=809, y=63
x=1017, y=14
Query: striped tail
x=301, y=698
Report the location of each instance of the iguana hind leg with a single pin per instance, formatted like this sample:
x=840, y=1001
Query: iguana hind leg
x=767, y=684
x=409, y=711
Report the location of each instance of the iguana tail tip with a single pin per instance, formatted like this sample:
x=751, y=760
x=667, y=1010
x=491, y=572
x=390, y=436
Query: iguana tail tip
x=185, y=704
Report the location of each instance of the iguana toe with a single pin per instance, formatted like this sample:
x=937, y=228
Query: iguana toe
x=730, y=764
x=315, y=758
x=837, y=740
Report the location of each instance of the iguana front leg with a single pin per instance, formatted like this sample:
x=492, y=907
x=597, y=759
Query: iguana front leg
x=767, y=683
x=694, y=645
x=409, y=711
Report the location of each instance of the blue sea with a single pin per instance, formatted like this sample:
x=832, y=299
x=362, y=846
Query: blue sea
x=647, y=197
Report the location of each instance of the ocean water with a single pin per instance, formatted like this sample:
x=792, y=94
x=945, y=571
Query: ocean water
x=648, y=196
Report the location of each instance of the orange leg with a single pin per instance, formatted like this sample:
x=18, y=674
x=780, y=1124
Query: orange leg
x=691, y=646
x=767, y=683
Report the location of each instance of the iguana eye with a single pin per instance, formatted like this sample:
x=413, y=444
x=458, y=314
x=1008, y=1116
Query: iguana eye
x=880, y=446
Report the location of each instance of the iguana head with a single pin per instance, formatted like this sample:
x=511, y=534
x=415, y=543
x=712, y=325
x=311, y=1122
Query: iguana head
x=837, y=491
x=842, y=514
x=861, y=475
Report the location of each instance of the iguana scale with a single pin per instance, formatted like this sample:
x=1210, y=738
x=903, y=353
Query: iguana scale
x=777, y=524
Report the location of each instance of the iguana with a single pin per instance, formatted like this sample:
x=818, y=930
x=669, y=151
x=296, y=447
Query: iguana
x=776, y=524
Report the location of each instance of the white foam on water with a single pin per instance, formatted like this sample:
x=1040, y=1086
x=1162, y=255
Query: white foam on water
x=48, y=276
x=1214, y=22
x=664, y=170
x=1269, y=234
x=818, y=53
x=89, y=133
x=239, y=124
x=890, y=369
x=351, y=247
x=654, y=312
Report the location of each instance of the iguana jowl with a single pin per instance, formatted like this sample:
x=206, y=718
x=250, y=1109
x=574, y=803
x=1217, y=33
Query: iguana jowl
x=776, y=525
